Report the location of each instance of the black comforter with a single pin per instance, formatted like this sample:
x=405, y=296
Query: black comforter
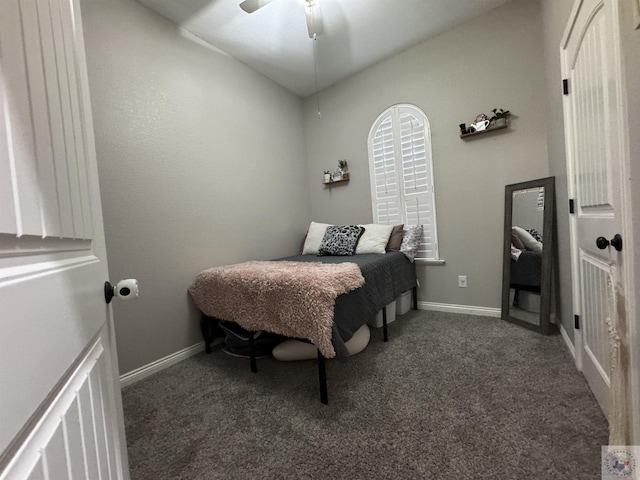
x=386, y=277
x=526, y=273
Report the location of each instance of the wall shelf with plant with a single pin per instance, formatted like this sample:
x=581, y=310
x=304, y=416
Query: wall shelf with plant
x=487, y=130
x=333, y=182
x=339, y=175
x=484, y=124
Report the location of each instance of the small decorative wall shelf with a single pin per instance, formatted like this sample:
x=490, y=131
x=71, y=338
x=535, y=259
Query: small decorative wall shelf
x=333, y=182
x=484, y=124
x=339, y=175
x=487, y=130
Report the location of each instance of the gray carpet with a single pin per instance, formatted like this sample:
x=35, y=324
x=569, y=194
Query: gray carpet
x=448, y=397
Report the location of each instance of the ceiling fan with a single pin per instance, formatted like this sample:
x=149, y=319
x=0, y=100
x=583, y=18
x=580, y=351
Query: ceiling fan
x=311, y=10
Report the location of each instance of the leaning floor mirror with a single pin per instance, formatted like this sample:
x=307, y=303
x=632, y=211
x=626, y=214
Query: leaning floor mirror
x=528, y=254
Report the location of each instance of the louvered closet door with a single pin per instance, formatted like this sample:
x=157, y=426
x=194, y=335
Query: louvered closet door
x=60, y=410
x=594, y=147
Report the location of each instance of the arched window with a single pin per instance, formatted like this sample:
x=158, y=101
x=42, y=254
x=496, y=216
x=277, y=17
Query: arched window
x=401, y=171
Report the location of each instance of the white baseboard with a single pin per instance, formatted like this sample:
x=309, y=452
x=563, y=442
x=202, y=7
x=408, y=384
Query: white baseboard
x=567, y=340
x=466, y=309
x=160, y=364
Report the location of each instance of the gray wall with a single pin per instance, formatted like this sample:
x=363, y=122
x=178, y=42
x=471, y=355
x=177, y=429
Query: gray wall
x=493, y=61
x=555, y=14
x=202, y=159
x=201, y=163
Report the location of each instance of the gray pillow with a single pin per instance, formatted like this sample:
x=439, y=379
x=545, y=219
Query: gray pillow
x=340, y=240
x=411, y=241
x=395, y=241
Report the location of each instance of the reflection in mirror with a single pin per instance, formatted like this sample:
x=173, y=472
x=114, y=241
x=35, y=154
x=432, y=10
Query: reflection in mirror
x=528, y=254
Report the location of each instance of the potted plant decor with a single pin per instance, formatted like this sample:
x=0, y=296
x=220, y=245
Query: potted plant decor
x=342, y=164
x=499, y=118
x=327, y=176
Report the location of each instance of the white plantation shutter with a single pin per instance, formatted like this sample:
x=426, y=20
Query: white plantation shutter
x=385, y=183
x=401, y=173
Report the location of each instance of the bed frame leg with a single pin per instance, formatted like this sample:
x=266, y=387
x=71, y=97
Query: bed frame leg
x=322, y=370
x=252, y=353
x=207, y=331
x=415, y=298
x=385, y=334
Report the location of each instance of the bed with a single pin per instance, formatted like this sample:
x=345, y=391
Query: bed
x=526, y=272
x=386, y=277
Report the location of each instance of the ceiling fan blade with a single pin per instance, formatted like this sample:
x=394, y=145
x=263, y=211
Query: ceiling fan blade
x=314, y=17
x=251, y=6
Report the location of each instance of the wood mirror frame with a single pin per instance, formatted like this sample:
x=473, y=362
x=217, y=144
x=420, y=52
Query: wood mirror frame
x=547, y=253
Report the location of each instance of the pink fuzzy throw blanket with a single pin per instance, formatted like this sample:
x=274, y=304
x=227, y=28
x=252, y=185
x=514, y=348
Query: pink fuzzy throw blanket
x=294, y=299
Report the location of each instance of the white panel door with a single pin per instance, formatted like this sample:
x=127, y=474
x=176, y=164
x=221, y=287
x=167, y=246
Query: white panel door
x=594, y=129
x=60, y=405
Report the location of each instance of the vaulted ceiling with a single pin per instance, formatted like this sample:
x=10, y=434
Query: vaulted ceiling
x=357, y=33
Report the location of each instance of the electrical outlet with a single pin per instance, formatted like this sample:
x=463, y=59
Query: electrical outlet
x=462, y=281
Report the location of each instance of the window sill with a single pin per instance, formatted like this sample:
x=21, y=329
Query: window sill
x=423, y=261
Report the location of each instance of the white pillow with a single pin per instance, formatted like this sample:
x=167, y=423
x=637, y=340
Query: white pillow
x=314, y=238
x=374, y=239
x=530, y=243
x=296, y=350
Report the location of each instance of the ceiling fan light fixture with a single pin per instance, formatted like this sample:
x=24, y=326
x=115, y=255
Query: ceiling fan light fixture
x=251, y=6
x=314, y=17
x=312, y=13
